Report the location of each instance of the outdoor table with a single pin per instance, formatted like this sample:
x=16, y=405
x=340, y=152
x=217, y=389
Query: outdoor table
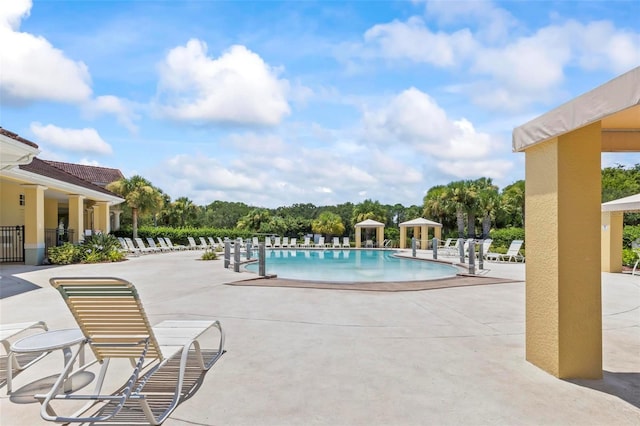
x=46, y=342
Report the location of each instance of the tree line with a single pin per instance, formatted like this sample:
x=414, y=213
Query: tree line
x=466, y=208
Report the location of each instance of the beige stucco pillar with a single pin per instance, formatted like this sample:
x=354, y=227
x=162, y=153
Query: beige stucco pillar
x=424, y=237
x=101, y=217
x=50, y=213
x=563, y=295
x=34, y=245
x=611, y=241
x=76, y=216
x=116, y=219
x=380, y=236
x=437, y=232
x=358, y=237
x=403, y=237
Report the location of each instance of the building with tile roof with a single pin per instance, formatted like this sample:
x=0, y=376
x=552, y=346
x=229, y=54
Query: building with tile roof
x=43, y=200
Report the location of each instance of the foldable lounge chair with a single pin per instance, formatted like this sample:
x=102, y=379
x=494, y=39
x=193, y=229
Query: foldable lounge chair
x=276, y=242
x=164, y=246
x=293, y=243
x=513, y=253
x=320, y=242
x=129, y=249
x=115, y=325
x=7, y=332
x=193, y=245
x=285, y=242
x=172, y=246
x=152, y=245
x=143, y=247
x=336, y=242
x=307, y=242
x=267, y=242
x=345, y=242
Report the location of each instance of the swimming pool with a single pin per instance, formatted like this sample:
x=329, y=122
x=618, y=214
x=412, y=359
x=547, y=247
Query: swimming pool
x=350, y=266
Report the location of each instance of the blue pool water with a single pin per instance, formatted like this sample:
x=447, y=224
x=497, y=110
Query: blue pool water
x=350, y=266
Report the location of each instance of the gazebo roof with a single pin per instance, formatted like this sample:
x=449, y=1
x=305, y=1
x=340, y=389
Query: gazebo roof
x=420, y=222
x=626, y=204
x=616, y=104
x=369, y=223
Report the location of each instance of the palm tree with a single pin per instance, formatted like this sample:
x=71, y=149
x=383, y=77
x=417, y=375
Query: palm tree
x=140, y=195
x=184, y=210
x=513, y=202
x=329, y=224
x=455, y=197
x=254, y=219
x=488, y=203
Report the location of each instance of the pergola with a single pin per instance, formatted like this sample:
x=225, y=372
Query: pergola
x=369, y=223
x=420, y=230
x=612, y=225
x=563, y=179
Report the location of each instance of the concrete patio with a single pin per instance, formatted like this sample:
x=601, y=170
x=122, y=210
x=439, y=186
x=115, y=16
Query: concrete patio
x=300, y=356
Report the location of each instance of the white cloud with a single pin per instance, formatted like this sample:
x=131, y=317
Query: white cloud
x=495, y=169
x=238, y=87
x=121, y=109
x=85, y=140
x=414, y=119
x=32, y=69
x=413, y=40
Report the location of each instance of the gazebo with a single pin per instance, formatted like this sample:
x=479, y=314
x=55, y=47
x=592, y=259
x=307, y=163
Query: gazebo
x=420, y=230
x=369, y=223
x=611, y=241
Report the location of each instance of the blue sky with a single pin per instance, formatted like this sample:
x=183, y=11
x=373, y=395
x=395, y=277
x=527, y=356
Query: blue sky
x=275, y=103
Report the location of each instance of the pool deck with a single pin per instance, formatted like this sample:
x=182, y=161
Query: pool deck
x=307, y=356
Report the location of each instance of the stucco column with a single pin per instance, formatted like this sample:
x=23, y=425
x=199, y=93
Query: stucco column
x=611, y=241
x=437, y=232
x=76, y=217
x=50, y=213
x=403, y=237
x=358, y=237
x=380, y=237
x=101, y=217
x=34, y=224
x=563, y=295
x=116, y=219
x=424, y=237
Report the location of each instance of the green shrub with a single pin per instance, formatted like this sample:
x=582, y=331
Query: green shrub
x=64, y=254
x=502, y=238
x=101, y=248
x=179, y=235
x=629, y=235
x=629, y=257
x=209, y=255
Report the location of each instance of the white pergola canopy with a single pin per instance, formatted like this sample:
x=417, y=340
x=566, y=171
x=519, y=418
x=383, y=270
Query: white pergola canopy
x=616, y=104
x=421, y=222
x=626, y=204
x=369, y=223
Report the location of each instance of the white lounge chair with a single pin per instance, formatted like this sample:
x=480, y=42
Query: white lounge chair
x=306, y=243
x=174, y=247
x=115, y=325
x=320, y=242
x=345, y=242
x=204, y=244
x=293, y=243
x=285, y=241
x=276, y=242
x=164, y=245
x=142, y=246
x=336, y=242
x=129, y=249
x=267, y=242
x=193, y=245
x=152, y=244
x=513, y=253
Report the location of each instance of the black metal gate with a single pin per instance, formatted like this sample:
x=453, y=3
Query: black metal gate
x=11, y=243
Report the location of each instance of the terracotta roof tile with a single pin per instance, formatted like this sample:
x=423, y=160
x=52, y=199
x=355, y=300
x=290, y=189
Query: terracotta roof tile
x=101, y=176
x=15, y=136
x=43, y=168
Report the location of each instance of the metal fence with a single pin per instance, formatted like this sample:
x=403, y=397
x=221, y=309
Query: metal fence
x=55, y=237
x=12, y=243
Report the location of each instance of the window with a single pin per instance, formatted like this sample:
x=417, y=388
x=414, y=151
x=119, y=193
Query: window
x=22, y=199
